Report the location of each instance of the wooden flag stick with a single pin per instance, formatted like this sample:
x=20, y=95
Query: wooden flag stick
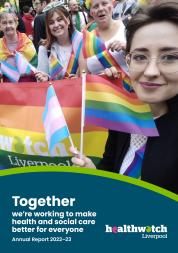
x=71, y=141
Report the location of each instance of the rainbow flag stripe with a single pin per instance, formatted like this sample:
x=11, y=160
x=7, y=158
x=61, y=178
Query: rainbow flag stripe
x=73, y=65
x=114, y=108
x=106, y=60
x=92, y=45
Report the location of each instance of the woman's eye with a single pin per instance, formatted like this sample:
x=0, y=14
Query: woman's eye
x=95, y=6
x=168, y=58
x=139, y=57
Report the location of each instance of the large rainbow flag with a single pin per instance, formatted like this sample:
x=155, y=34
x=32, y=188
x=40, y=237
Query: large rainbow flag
x=22, y=137
x=110, y=106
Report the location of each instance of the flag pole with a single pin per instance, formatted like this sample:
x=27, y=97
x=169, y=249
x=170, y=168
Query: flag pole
x=82, y=112
x=71, y=141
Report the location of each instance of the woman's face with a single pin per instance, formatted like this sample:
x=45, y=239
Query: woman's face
x=153, y=64
x=58, y=25
x=8, y=25
x=101, y=10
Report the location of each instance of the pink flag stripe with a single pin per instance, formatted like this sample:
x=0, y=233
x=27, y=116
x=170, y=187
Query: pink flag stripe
x=77, y=38
x=52, y=126
x=52, y=115
x=54, y=111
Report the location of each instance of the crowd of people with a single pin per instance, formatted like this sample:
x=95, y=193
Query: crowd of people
x=58, y=45
x=127, y=29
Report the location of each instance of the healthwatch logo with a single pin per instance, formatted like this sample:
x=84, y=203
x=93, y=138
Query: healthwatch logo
x=147, y=232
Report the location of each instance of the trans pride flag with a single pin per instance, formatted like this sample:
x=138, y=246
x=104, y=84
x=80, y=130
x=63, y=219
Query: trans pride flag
x=112, y=107
x=53, y=119
x=10, y=71
x=23, y=66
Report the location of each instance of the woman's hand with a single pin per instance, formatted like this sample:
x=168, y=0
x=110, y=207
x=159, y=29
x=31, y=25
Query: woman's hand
x=117, y=45
x=81, y=162
x=112, y=72
x=41, y=76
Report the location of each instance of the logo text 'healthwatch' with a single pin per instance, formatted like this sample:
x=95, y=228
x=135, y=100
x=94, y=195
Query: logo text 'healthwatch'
x=148, y=232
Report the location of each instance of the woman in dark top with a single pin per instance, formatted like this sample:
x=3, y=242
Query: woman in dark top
x=152, y=57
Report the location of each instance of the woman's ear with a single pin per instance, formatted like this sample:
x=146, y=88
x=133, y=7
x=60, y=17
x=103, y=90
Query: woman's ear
x=127, y=60
x=17, y=23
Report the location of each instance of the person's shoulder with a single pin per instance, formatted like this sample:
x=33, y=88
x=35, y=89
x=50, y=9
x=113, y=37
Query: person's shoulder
x=24, y=37
x=173, y=105
x=40, y=17
x=43, y=48
x=119, y=22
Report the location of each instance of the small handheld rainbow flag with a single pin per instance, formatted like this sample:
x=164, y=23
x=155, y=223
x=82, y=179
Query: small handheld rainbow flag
x=23, y=66
x=114, y=108
x=54, y=67
x=10, y=71
x=53, y=120
x=93, y=45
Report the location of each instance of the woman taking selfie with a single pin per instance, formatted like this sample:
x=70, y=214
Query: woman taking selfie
x=58, y=57
x=153, y=70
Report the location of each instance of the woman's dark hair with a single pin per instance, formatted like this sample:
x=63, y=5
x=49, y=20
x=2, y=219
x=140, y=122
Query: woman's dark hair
x=162, y=11
x=60, y=10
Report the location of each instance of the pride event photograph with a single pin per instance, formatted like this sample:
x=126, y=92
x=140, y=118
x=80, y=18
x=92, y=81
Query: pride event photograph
x=88, y=126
